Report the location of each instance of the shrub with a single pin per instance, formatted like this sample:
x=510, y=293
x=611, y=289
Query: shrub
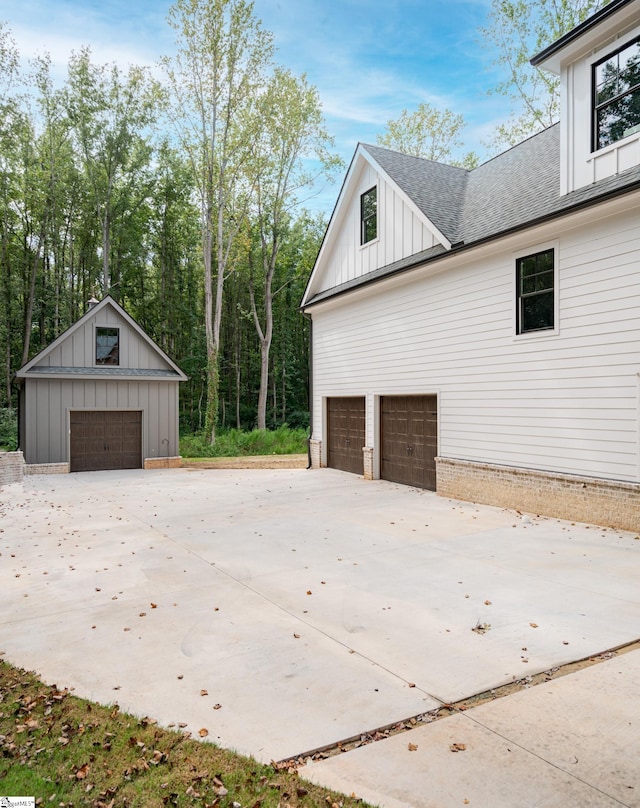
x=8, y=430
x=239, y=443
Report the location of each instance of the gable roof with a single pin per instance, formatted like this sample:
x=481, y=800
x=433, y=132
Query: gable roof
x=436, y=188
x=31, y=367
x=515, y=190
x=571, y=43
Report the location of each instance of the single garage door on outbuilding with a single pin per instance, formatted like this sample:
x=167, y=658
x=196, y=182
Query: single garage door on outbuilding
x=105, y=439
x=346, y=434
x=409, y=440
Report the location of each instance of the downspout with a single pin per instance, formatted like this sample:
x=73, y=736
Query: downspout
x=310, y=388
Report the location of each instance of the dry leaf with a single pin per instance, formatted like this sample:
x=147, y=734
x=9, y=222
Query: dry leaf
x=204, y=692
x=412, y=747
x=203, y=732
x=309, y=592
x=154, y=605
x=533, y=625
x=487, y=603
x=297, y=636
x=412, y=684
x=458, y=747
x=81, y=773
x=217, y=706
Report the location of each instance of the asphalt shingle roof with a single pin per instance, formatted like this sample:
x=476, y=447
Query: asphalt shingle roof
x=437, y=189
x=512, y=191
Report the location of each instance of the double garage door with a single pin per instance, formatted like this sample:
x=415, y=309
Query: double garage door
x=408, y=438
x=105, y=439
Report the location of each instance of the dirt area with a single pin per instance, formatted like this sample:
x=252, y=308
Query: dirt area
x=299, y=461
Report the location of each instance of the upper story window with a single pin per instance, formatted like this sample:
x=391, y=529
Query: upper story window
x=616, y=83
x=369, y=216
x=535, y=279
x=107, y=346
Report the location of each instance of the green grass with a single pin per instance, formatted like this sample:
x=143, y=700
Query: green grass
x=67, y=751
x=238, y=443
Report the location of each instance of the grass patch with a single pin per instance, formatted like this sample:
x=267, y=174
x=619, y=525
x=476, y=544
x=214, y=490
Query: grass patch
x=238, y=443
x=67, y=751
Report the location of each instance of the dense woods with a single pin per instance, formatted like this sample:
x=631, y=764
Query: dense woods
x=180, y=192
x=184, y=209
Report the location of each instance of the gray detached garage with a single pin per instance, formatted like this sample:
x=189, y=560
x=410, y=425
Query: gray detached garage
x=101, y=396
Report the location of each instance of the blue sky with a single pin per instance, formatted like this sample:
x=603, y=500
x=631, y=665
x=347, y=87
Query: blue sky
x=369, y=59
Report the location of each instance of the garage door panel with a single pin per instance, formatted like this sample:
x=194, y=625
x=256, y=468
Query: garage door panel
x=409, y=445
x=105, y=439
x=346, y=433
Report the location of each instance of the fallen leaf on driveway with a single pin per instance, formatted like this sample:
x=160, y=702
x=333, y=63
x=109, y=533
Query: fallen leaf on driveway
x=458, y=747
x=203, y=732
x=309, y=592
x=217, y=706
x=412, y=747
x=297, y=636
x=204, y=692
x=487, y=603
x=533, y=625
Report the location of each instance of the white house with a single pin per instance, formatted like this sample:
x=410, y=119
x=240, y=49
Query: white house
x=478, y=332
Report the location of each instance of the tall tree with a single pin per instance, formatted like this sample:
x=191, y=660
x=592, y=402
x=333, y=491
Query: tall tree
x=12, y=124
x=428, y=132
x=215, y=77
x=292, y=129
x=517, y=30
x=111, y=114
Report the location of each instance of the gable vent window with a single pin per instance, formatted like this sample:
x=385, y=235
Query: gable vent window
x=369, y=216
x=107, y=346
x=616, y=81
x=535, y=292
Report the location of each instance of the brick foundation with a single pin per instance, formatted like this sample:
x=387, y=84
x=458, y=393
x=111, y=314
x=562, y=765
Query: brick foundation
x=11, y=467
x=367, y=456
x=163, y=462
x=47, y=468
x=315, y=450
x=579, y=499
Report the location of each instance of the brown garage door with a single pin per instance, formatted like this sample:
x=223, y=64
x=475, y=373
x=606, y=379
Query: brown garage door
x=409, y=440
x=105, y=439
x=346, y=435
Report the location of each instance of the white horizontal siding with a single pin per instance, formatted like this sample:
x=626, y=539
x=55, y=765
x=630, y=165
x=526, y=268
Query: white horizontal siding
x=565, y=402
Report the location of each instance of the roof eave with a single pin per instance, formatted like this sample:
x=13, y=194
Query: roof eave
x=462, y=247
x=569, y=46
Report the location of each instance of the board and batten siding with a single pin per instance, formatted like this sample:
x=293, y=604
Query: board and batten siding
x=46, y=417
x=580, y=165
x=400, y=234
x=79, y=349
x=567, y=402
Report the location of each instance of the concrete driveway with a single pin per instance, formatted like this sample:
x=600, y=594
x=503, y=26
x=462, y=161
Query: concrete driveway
x=288, y=610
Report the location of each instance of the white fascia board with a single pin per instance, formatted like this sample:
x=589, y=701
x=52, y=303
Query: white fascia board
x=362, y=155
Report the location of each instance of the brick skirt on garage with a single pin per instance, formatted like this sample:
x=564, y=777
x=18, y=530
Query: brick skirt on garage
x=579, y=499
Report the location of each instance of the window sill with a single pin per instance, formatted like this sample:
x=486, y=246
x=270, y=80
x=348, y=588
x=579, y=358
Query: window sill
x=542, y=334
x=613, y=146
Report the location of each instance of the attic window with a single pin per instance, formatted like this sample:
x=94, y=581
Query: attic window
x=107, y=346
x=616, y=82
x=369, y=215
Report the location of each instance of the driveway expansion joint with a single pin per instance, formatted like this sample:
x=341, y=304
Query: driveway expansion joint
x=452, y=708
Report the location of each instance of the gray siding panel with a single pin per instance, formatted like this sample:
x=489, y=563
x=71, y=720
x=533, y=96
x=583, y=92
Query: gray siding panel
x=46, y=414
